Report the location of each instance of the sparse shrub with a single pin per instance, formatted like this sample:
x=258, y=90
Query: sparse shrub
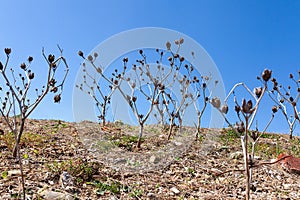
x=246, y=112
x=16, y=103
x=286, y=100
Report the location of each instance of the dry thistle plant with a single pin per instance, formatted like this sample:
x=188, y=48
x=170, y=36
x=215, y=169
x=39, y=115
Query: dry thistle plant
x=200, y=88
x=101, y=94
x=246, y=113
x=286, y=99
x=16, y=103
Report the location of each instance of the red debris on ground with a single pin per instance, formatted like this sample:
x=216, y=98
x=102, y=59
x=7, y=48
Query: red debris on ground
x=290, y=163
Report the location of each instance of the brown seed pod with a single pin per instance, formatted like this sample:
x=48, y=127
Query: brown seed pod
x=57, y=98
x=168, y=45
x=258, y=91
x=125, y=60
x=30, y=59
x=7, y=51
x=274, y=109
x=51, y=58
x=90, y=58
x=23, y=66
x=216, y=102
x=54, y=89
x=134, y=99
x=181, y=59
x=240, y=127
x=31, y=75
x=266, y=75
x=80, y=53
x=237, y=109
x=224, y=109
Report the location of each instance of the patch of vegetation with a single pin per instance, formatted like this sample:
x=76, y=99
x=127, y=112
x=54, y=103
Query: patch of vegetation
x=4, y=174
x=79, y=168
x=103, y=188
x=295, y=146
x=229, y=136
x=268, y=151
x=126, y=141
x=28, y=139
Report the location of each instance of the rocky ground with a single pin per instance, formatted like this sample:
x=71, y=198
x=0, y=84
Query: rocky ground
x=64, y=160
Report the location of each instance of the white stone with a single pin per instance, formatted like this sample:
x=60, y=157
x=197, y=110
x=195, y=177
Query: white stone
x=175, y=190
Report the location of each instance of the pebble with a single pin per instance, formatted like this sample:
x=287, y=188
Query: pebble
x=175, y=190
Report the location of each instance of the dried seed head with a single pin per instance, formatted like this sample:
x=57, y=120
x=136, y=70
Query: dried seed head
x=54, y=89
x=7, y=51
x=134, y=99
x=170, y=58
x=181, y=40
x=51, y=58
x=31, y=75
x=240, y=127
x=258, y=91
x=266, y=75
x=291, y=99
x=237, y=109
x=224, y=109
x=23, y=66
x=1, y=66
x=291, y=76
x=216, y=102
x=57, y=98
x=181, y=59
x=247, y=106
x=90, y=58
x=141, y=51
x=30, y=59
x=95, y=54
x=125, y=60
x=80, y=53
x=274, y=109
x=99, y=70
x=168, y=45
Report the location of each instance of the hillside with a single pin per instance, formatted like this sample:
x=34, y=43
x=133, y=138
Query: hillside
x=84, y=161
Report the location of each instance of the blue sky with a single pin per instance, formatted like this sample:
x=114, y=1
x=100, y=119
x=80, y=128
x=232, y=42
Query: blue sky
x=242, y=37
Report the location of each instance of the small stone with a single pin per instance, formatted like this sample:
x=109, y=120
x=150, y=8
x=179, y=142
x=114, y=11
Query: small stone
x=51, y=195
x=150, y=194
x=287, y=186
x=175, y=190
x=177, y=143
x=153, y=159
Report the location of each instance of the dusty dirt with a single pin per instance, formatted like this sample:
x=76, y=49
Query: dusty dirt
x=102, y=166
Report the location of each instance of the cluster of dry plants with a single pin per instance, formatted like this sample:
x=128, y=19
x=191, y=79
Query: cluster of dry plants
x=150, y=89
x=152, y=84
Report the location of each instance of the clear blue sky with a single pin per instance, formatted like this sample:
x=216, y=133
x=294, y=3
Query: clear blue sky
x=242, y=37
